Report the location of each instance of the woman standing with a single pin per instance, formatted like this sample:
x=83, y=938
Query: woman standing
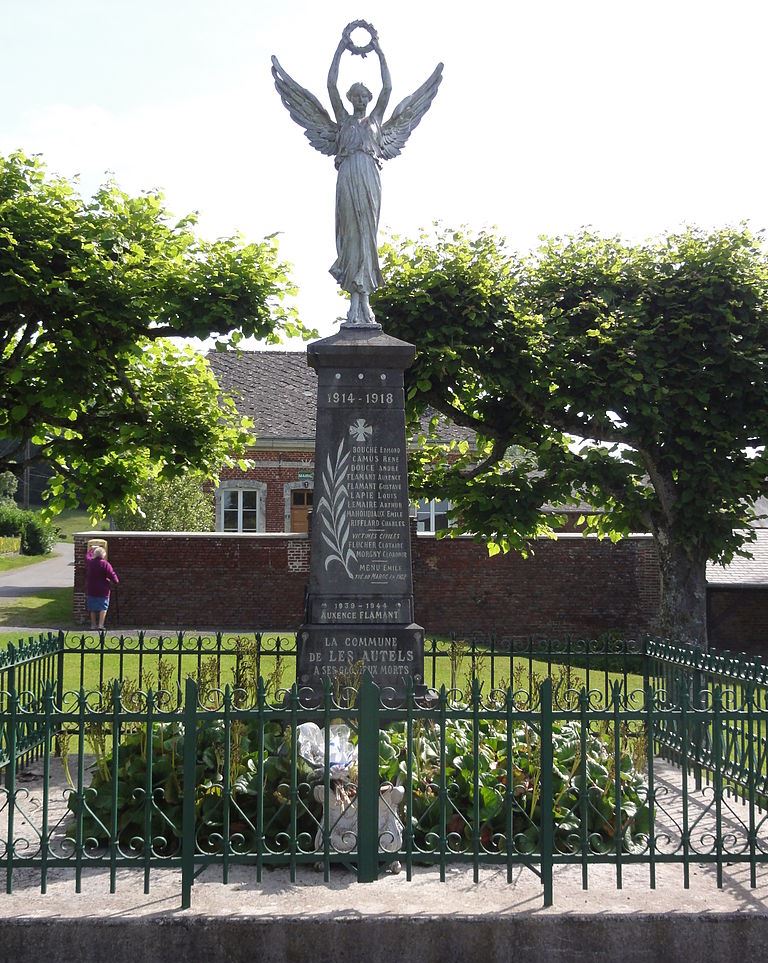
x=99, y=579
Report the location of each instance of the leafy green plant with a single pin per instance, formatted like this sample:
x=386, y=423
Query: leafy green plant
x=478, y=804
x=170, y=505
x=37, y=534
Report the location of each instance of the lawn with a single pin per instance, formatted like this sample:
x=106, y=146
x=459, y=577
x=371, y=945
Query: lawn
x=73, y=521
x=10, y=562
x=454, y=673
x=48, y=608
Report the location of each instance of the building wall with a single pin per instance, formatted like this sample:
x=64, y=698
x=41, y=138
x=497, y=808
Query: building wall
x=572, y=586
x=201, y=580
x=738, y=618
x=275, y=469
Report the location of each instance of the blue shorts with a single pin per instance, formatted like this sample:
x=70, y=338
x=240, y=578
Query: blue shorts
x=95, y=603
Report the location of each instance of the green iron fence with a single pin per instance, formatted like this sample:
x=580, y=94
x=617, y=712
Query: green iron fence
x=91, y=660
x=688, y=677
x=30, y=667
x=194, y=753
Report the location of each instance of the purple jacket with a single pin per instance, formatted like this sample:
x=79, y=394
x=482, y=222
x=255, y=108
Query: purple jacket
x=99, y=576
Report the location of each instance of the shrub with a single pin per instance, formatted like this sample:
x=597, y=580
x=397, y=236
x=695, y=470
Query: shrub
x=37, y=536
x=9, y=545
x=8, y=485
x=170, y=505
x=11, y=519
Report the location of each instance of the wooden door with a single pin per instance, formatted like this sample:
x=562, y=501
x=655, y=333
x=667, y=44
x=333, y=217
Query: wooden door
x=301, y=502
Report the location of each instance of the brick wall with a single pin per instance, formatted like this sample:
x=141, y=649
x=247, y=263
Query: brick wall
x=572, y=586
x=738, y=618
x=202, y=580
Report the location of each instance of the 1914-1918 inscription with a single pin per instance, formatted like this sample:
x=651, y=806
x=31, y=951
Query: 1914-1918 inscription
x=360, y=598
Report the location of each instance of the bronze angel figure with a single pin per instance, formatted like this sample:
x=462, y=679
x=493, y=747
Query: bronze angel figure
x=359, y=144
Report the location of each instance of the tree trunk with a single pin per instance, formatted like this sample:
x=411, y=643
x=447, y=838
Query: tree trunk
x=683, y=608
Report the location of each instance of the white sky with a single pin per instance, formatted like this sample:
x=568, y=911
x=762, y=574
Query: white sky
x=633, y=117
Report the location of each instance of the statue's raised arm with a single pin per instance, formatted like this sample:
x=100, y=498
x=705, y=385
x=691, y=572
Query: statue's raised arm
x=360, y=143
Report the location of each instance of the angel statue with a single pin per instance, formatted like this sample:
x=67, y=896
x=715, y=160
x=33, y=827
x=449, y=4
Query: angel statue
x=359, y=143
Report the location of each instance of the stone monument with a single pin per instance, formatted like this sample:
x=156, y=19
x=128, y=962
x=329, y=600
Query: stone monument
x=359, y=613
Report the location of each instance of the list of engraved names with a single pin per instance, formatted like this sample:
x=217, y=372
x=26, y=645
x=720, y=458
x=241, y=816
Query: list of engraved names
x=378, y=513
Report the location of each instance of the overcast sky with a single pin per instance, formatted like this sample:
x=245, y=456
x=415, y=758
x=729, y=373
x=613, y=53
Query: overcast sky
x=633, y=117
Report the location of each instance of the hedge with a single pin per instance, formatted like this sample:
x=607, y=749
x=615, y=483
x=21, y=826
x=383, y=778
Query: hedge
x=37, y=536
x=10, y=545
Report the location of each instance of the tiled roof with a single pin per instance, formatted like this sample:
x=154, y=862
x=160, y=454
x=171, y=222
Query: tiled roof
x=744, y=571
x=278, y=390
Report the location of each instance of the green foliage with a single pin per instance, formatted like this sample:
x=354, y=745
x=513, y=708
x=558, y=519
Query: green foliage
x=482, y=784
x=11, y=519
x=9, y=545
x=37, y=534
x=260, y=774
x=91, y=290
x=170, y=505
x=632, y=377
x=8, y=485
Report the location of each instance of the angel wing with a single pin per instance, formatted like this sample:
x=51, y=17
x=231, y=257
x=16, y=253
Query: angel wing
x=407, y=115
x=306, y=110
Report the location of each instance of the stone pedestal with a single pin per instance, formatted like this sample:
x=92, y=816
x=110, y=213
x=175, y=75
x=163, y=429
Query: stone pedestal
x=359, y=612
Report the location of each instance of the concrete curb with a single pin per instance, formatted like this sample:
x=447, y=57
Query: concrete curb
x=555, y=938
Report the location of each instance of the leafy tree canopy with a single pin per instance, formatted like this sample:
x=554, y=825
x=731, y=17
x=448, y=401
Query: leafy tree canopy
x=629, y=376
x=170, y=505
x=91, y=291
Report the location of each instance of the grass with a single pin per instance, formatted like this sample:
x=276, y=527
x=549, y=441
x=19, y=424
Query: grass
x=73, y=521
x=454, y=673
x=50, y=608
x=10, y=562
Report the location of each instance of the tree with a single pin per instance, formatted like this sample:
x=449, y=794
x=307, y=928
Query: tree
x=8, y=485
x=630, y=376
x=170, y=505
x=91, y=291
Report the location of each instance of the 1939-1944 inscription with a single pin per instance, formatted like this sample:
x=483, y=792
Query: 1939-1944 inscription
x=360, y=598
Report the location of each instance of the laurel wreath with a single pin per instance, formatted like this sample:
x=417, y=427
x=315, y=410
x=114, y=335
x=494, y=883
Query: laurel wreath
x=333, y=510
x=354, y=48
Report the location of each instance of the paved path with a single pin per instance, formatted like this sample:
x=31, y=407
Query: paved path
x=57, y=572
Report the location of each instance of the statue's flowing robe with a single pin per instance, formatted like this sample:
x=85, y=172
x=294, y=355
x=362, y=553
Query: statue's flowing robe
x=358, y=202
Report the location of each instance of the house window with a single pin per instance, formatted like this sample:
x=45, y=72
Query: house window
x=432, y=515
x=240, y=507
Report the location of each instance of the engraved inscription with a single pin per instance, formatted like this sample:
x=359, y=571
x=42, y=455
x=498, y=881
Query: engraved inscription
x=378, y=513
x=382, y=655
x=349, y=610
x=358, y=399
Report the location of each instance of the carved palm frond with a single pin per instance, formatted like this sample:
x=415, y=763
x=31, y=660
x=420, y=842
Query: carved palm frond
x=333, y=509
